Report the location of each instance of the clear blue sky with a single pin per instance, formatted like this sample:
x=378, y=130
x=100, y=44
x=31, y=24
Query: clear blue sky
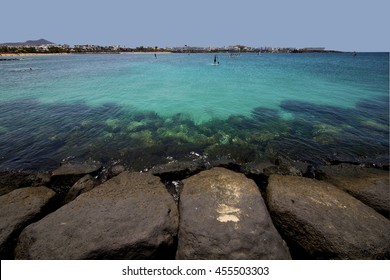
x=335, y=24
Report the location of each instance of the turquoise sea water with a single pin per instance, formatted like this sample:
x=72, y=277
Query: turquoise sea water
x=140, y=110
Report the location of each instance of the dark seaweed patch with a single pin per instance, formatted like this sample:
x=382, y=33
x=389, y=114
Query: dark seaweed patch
x=34, y=135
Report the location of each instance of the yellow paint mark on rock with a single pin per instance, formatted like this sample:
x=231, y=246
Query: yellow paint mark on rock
x=224, y=209
x=228, y=218
x=228, y=213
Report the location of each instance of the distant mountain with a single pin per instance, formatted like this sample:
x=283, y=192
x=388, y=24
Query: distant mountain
x=28, y=43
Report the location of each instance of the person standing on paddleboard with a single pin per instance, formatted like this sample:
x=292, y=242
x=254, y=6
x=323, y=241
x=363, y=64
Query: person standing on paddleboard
x=215, y=59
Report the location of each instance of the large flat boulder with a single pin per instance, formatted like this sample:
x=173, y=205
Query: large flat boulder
x=320, y=221
x=17, y=209
x=131, y=216
x=369, y=185
x=223, y=216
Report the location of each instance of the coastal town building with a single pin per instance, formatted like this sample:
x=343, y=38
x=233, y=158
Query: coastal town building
x=44, y=46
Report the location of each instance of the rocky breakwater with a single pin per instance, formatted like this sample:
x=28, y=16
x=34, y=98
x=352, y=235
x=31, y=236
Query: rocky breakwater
x=321, y=221
x=369, y=185
x=196, y=210
x=131, y=216
x=18, y=209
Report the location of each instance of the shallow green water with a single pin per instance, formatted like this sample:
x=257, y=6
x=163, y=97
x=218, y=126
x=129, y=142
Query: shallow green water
x=140, y=110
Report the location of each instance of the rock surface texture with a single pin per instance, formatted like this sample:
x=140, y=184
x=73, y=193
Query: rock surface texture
x=320, y=221
x=10, y=181
x=131, y=216
x=83, y=185
x=17, y=209
x=369, y=185
x=223, y=216
x=110, y=213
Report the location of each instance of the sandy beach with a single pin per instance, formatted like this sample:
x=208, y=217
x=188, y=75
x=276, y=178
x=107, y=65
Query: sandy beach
x=45, y=54
x=145, y=52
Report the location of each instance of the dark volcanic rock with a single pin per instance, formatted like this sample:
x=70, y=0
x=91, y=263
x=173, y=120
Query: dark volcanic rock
x=71, y=169
x=131, y=216
x=177, y=170
x=282, y=170
x=255, y=171
x=227, y=163
x=319, y=221
x=68, y=174
x=10, y=181
x=223, y=216
x=369, y=185
x=255, y=168
x=83, y=185
x=281, y=166
x=115, y=170
x=17, y=209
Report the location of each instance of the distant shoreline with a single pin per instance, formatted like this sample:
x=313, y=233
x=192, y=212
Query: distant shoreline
x=17, y=54
x=81, y=53
x=145, y=52
x=28, y=54
x=47, y=54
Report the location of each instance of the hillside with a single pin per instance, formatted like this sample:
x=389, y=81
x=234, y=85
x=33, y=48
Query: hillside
x=28, y=43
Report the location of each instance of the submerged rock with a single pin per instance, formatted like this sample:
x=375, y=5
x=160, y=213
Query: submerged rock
x=131, y=216
x=144, y=136
x=17, y=209
x=135, y=126
x=223, y=216
x=319, y=221
x=325, y=133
